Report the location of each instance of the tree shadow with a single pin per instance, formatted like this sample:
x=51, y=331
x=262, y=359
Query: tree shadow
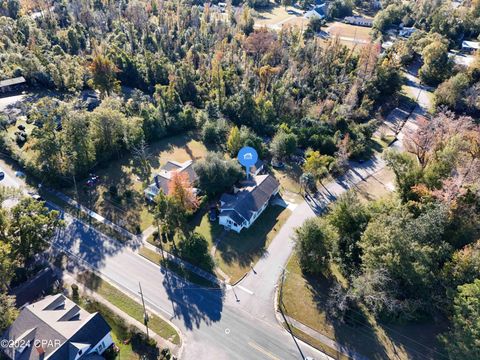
x=354, y=334
x=192, y=304
x=85, y=246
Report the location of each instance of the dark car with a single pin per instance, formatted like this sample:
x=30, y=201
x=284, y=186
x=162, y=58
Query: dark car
x=212, y=215
x=21, y=127
x=2, y=175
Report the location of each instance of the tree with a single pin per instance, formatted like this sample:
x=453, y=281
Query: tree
x=317, y=164
x=181, y=190
x=103, y=72
x=313, y=243
x=350, y=218
x=32, y=226
x=463, y=268
x=194, y=248
x=451, y=92
x=8, y=312
x=463, y=341
x=436, y=63
x=286, y=3
x=234, y=142
x=409, y=248
x=407, y=173
x=283, y=145
x=8, y=264
x=216, y=174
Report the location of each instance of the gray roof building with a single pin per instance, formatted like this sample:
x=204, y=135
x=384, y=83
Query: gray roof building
x=56, y=328
x=163, y=178
x=240, y=210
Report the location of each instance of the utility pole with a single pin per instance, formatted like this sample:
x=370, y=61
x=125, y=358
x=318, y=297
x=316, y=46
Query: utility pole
x=145, y=315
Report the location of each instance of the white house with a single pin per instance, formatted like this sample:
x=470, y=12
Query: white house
x=240, y=210
x=56, y=328
x=470, y=46
x=359, y=21
x=163, y=178
x=319, y=11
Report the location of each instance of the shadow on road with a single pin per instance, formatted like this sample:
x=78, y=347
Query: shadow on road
x=192, y=304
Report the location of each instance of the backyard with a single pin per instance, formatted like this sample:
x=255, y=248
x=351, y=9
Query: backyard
x=305, y=299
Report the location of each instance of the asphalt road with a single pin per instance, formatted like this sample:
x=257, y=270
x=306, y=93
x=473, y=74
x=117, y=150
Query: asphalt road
x=211, y=321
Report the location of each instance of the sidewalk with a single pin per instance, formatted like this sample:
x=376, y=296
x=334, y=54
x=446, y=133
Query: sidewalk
x=93, y=214
x=141, y=237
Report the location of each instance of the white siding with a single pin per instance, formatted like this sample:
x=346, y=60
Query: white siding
x=103, y=344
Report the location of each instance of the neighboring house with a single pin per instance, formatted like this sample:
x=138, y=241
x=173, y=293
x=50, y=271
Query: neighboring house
x=319, y=11
x=56, y=328
x=14, y=84
x=240, y=210
x=359, y=21
x=163, y=178
x=406, y=32
x=470, y=46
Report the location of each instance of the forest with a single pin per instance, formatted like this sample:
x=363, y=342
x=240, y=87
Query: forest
x=164, y=67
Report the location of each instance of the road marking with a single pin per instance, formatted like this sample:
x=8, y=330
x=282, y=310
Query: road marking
x=263, y=351
x=245, y=289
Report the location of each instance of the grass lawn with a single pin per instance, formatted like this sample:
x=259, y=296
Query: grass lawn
x=275, y=16
x=237, y=252
x=176, y=268
x=128, y=305
x=377, y=186
x=131, y=348
x=128, y=208
x=305, y=298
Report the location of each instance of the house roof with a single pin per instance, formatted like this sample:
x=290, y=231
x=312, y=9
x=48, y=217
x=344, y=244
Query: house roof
x=358, y=20
x=13, y=81
x=163, y=178
x=317, y=11
x=60, y=324
x=471, y=44
x=251, y=197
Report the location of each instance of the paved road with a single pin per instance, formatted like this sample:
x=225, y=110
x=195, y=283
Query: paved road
x=210, y=320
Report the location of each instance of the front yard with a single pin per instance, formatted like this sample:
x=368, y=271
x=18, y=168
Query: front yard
x=236, y=253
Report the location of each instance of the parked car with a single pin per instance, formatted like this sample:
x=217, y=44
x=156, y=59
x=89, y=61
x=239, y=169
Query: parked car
x=212, y=215
x=21, y=127
x=19, y=174
x=2, y=175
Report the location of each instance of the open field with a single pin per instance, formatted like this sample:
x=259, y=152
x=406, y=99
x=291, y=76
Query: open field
x=275, y=16
x=305, y=298
x=236, y=253
x=350, y=35
x=128, y=305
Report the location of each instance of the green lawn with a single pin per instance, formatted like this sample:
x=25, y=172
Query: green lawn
x=236, y=253
x=131, y=347
x=305, y=299
x=128, y=305
x=178, y=269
